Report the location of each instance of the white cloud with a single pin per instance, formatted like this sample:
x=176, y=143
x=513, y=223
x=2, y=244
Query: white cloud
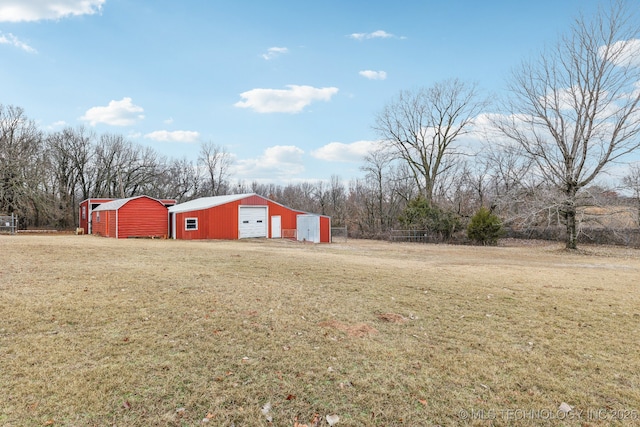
x=291, y=100
x=380, y=34
x=280, y=162
x=340, y=152
x=117, y=113
x=168, y=121
x=12, y=40
x=626, y=53
x=56, y=125
x=185, y=136
x=37, y=10
x=273, y=52
x=373, y=75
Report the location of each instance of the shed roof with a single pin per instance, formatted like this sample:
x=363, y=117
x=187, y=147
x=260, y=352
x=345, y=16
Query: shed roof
x=117, y=204
x=207, y=202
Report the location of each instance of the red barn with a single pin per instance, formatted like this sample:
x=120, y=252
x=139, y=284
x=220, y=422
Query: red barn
x=140, y=216
x=87, y=206
x=240, y=216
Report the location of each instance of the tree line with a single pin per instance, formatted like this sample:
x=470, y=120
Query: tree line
x=572, y=114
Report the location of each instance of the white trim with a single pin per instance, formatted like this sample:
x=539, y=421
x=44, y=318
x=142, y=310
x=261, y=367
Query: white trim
x=186, y=224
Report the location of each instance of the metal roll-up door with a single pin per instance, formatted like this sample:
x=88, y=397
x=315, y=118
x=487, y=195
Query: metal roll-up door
x=252, y=221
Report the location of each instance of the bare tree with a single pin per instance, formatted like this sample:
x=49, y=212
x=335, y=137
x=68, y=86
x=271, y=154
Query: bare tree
x=65, y=177
x=173, y=178
x=632, y=182
x=377, y=200
x=106, y=170
x=574, y=110
x=422, y=127
x=215, y=162
x=70, y=154
x=337, y=201
x=22, y=170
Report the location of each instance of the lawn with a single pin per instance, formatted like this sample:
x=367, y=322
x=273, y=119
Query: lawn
x=97, y=332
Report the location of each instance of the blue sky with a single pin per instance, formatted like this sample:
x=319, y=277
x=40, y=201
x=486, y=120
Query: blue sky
x=289, y=88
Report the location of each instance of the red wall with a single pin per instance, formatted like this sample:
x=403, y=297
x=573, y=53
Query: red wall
x=325, y=229
x=142, y=217
x=86, y=204
x=288, y=217
x=139, y=217
x=83, y=221
x=101, y=228
x=218, y=222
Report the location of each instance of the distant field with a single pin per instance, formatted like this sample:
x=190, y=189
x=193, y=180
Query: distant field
x=97, y=332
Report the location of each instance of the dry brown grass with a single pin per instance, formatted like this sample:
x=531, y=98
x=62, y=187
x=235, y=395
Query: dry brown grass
x=95, y=331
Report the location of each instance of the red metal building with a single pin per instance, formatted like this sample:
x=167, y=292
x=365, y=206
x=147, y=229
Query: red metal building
x=140, y=216
x=240, y=216
x=84, y=212
x=87, y=206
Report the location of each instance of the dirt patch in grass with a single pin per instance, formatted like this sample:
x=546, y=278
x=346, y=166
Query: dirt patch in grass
x=392, y=317
x=96, y=331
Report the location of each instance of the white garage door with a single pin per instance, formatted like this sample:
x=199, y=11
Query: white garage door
x=253, y=221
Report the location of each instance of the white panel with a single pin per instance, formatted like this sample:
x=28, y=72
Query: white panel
x=308, y=228
x=252, y=221
x=276, y=227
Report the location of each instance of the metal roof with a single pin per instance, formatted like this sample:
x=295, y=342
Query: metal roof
x=117, y=204
x=207, y=202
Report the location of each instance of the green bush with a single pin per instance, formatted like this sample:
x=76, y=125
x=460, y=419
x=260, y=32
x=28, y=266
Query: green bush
x=422, y=215
x=485, y=228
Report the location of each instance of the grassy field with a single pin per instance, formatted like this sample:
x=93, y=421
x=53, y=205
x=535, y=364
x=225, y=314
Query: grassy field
x=98, y=332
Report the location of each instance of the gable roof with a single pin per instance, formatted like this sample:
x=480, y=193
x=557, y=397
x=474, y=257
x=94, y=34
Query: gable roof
x=118, y=203
x=208, y=202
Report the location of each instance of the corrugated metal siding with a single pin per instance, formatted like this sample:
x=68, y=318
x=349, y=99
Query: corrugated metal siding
x=84, y=223
x=325, y=229
x=253, y=200
x=142, y=217
x=287, y=216
x=98, y=228
x=110, y=221
x=219, y=222
x=139, y=217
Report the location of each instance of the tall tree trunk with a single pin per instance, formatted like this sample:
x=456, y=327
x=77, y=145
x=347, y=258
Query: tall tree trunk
x=570, y=220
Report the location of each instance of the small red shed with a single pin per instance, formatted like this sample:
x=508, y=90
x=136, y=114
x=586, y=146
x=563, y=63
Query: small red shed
x=240, y=216
x=140, y=216
x=87, y=206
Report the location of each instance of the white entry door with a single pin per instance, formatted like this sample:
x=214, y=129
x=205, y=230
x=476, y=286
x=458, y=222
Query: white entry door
x=276, y=227
x=252, y=222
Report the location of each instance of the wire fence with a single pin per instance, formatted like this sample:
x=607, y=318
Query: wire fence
x=424, y=236
x=339, y=234
x=8, y=224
